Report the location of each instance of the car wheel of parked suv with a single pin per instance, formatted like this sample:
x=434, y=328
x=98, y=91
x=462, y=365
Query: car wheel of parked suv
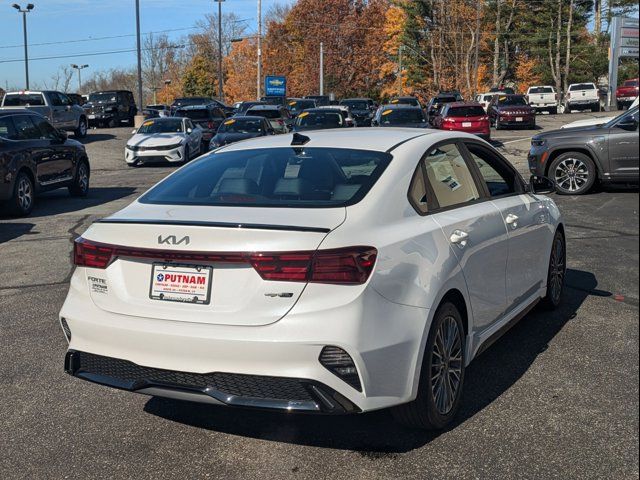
x=595, y=108
x=574, y=173
x=81, y=131
x=21, y=203
x=80, y=185
x=557, y=273
x=442, y=375
x=553, y=111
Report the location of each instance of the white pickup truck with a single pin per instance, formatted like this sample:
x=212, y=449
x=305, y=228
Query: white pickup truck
x=543, y=99
x=582, y=96
x=56, y=107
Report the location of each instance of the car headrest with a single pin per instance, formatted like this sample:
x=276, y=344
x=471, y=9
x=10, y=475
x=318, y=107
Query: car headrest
x=238, y=186
x=293, y=187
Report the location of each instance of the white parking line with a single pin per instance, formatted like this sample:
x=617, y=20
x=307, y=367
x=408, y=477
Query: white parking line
x=515, y=141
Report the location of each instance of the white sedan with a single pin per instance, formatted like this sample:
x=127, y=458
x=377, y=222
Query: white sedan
x=339, y=272
x=590, y=122
x=167, y=139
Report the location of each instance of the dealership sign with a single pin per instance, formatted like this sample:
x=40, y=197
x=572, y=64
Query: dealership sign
x=625, y=43
x=275, y=86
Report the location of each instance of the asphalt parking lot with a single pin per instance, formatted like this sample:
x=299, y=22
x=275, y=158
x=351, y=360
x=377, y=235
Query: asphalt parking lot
x=557, y=397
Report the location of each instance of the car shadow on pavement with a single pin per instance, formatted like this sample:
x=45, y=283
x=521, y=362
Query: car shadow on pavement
x=11, y=231
x=375, y=435
x=96, y=137
x=59, y=201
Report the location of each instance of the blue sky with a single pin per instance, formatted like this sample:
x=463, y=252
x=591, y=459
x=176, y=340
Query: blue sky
x=70, y=20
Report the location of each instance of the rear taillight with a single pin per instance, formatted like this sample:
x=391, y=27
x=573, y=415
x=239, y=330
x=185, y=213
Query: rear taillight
x=280, y=122
x=483, y=119
x=211, y=126
x=348, y=266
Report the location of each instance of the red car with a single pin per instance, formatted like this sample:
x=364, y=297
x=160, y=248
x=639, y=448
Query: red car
x=627, y=93
x=464, y=117
x=511, y=111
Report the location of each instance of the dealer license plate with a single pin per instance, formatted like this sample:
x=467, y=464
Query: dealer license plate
x=519, y=119
x=180, y=283
x=92, y=117
x=466, y=124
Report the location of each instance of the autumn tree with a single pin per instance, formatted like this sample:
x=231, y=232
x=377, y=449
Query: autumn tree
x=199, y=79
x=241, y=71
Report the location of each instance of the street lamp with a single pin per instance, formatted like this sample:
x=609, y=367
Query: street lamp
x=30, y=6
x=79, y=68
x=139, y=117
x=220, y=79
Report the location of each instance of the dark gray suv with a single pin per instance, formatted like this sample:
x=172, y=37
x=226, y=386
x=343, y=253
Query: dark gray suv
x=575, y=158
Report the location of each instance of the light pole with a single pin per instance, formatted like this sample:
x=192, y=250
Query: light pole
x=220, y=79
x=259, y=86
x=30, y=6
x=139, y=116
x=79, y=68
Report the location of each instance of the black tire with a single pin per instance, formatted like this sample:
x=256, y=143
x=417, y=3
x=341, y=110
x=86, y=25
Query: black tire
x=112, y=123
x=426, y=412
x=619, y=106
x=574, y=173
x=567, y=110
x=80, y=185
x=553, y=111
x=23, y=198
x=557, y=274
x=187, y=154
x=498, y=126
x=83, y=127
x=595, y=108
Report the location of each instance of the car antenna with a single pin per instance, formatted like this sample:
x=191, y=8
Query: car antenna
x=300, y=139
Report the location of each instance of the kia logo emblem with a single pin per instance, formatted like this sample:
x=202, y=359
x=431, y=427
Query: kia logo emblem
x=173, y=240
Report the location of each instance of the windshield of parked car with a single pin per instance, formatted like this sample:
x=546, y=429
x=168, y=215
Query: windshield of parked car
x=355, y=104
x=406, y=101
x=184, y=102
x=582, y=86
x=241, y=125
x=197, y=114
x=535, y=90
x=320, y=120
x=399, y=116
x=442, y=100
x=22, y=100
x=103, y=97
x=271, y=114
x=161, y=126
x=156, y=107
x=466, y=111
x=517, y=101
x=633, y=113
x=274, y=177
x=631, y=83
x=296, y=106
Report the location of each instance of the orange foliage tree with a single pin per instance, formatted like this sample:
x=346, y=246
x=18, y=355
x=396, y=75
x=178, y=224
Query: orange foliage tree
x=526, y=73
x=241, y=71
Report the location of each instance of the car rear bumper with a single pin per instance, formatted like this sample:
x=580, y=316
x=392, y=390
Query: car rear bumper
x=385, y=353
x=527, y=121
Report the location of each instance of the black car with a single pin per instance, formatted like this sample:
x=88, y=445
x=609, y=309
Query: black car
x=111, y=108
x=319, y=119
x=192, y=101
x=76, y=99
x=576, y=158
x=362, y=109
x=400, y=116
x=452, y=93
x=240, y=128
x=298, y=105
x=243, y=107
x=434, y=105
x=35, y=157
x=274, y=100
x=413, y=101
x=321, y=100
x=207, y=117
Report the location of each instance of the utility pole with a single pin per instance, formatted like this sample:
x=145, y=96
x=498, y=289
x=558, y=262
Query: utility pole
x=79, y=68
x=598, y=18
x=139, y=116
x=400, y=89
x=24, y=12
x=220, y=74
x=321, y=68
x=477, y=50
x=259, y=86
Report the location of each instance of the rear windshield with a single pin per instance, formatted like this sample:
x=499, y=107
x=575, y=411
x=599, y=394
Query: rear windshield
x=300, y=105
x=471, y=111
x=512, y=101
x=406, y=101
x=272, y=114
x=540, y=90
x=23, y=100
x=161, y=126
x=108, y=97
x=247, y=105
x=194, y=114
x=183, y=102
x=241, y=126
x=356, y=104
x=631, y=83
x=274, y=177
x=401, y=116
x=582, y=86
x=441, y=100
x=319, y=120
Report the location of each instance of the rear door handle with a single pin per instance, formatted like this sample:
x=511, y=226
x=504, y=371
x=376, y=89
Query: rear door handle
x=512, y=220
x=460, y=238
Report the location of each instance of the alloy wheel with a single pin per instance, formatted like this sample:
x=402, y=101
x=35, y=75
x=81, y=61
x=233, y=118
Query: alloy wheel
x=83, y=128
x=83, y=178
x=557, y=270
x=572, y=175
x=24, y=194
x=446, y=365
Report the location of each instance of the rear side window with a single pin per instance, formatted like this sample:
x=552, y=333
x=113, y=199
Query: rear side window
x=23, y=100
x=275, y=177
x=499, y=178
x=25, y=128
x=6, y=128
x=450, y=178
x=582, y=86
x=200, y=114
x=471, y=111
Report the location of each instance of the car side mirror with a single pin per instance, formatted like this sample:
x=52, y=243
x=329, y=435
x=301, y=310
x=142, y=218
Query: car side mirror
x=134, y=131
x=629, y=124
x=541, y=185
x=189, y=130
